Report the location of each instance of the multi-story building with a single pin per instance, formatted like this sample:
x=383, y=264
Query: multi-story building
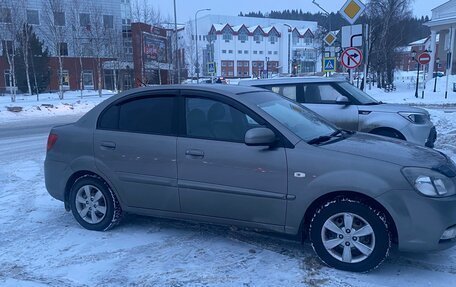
x=90, y=38
x=252, y=47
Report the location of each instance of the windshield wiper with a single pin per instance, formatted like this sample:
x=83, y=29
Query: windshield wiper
x=336, y=133
x=319, y=140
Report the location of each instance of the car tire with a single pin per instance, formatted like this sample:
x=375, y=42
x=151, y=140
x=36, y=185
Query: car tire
x=93, y=204
x=360, y=248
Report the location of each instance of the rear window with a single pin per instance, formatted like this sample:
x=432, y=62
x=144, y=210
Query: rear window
x=152, y=115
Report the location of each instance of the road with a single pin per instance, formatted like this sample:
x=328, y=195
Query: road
x=28, y=137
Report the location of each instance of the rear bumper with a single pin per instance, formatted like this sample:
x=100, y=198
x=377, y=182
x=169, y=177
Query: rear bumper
x=56, y=174
x=420, y=221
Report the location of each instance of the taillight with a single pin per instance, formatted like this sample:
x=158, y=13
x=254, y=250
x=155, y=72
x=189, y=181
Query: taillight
x=52, y=139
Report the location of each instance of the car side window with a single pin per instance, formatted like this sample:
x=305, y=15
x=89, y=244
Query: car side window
x=210, y=119
x=320, y=94
x=286, y=91
x=151, y=115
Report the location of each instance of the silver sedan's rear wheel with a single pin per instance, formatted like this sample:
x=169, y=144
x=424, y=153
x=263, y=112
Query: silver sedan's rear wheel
x=93, y=204
x=350, y=235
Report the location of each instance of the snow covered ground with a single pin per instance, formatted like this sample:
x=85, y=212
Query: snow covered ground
x=42, y=245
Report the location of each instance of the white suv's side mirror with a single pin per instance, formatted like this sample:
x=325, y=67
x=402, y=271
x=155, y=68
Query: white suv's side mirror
x=342, y=100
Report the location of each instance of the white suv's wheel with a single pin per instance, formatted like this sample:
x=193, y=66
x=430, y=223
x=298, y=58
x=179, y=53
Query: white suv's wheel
x=350, y=235
x=93, y=204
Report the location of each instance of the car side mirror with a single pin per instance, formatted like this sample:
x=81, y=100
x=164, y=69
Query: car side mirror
x=342, y=100
x=260, y=137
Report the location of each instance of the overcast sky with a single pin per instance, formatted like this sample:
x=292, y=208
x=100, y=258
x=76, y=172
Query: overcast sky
x=186, y=8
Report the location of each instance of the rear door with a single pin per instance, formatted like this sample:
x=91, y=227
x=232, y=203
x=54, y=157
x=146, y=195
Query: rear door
x=219, y=175
x=135, y=147
x=321, y=98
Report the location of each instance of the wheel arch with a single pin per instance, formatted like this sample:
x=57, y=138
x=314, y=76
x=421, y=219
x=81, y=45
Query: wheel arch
x=377, y=131
x=75, y=176
x=317, y=203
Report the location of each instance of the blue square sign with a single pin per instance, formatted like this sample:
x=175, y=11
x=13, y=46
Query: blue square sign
x=329, y=64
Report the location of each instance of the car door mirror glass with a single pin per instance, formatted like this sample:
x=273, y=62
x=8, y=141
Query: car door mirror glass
x=260, y=137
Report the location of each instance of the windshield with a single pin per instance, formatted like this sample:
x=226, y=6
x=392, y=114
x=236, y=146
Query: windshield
x=360, y=96
x=302, y=122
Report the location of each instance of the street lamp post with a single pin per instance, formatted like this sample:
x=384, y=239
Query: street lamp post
x=196, y=43
x=267, y=67
x=176, y=43
x=289, y=47
x=437, y=61
x=417, y=73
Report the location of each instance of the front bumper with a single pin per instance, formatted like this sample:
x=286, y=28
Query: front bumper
x=424, y=135
x=431, y=138
x=420, y=221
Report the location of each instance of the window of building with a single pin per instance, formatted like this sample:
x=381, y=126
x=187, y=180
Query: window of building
x=258, y=36
x=261, y=52
x=8, y=78
x=295, y=38
x=227, y=35
x=199, y=36
x=84, y=20
x=63, y=49
x=65, y=76
x=308, y=40
x=239, y=51
x=273, y=39
x=230, y=51
x=108, y=21
x=255, y=52
x=150, y=115
x=246, y=51
x=269, y=52
x=59, y=18
x=33, y=17
x=223, y=51
x=211, y=37
x=5, y=15
x=243, y=36
x=87, y=79
x=276, y=53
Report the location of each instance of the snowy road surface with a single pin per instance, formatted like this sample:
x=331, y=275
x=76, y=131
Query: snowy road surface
x=42, y=245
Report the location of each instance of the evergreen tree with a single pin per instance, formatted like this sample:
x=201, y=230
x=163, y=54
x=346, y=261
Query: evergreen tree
x=38, y=58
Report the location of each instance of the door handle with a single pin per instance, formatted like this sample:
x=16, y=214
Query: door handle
x=108, y=145
x=194, y=153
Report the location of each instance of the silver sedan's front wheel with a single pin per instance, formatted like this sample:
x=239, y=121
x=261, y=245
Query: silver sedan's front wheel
x=93, y=204
x=350, y=235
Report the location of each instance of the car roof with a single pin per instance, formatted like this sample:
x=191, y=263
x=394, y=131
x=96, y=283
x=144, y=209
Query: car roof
x=228, y=90
x=290, y=80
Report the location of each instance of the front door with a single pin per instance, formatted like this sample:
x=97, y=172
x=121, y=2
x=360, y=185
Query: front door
x=218, y=174
x=135, y=147
x=321, y=98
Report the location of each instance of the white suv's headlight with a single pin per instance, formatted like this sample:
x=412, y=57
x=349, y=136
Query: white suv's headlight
x=416, y=118
x=429, y=182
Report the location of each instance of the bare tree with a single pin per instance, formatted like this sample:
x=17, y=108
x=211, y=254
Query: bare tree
x=55, y=31
x=12, y=19
x=189, y=47
x=77, y=37
x=116, y=50
x=24, y=41
x=385, y=17
x=143, y=11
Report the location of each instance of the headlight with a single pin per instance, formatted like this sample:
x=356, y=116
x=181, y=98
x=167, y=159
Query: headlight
x=416, y=118
x=429, y=182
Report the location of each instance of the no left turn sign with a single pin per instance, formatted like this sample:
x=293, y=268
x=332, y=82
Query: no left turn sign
x=351, y=58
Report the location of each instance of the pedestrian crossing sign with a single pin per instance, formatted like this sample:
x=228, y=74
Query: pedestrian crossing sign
x=329, y=64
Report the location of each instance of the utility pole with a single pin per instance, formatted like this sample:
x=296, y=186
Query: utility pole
x=176, y=44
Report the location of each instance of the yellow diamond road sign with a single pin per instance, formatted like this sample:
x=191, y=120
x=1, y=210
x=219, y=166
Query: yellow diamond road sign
x=351, y=10
x=330, y=39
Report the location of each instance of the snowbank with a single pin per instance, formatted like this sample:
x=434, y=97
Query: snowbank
x=49, y=104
